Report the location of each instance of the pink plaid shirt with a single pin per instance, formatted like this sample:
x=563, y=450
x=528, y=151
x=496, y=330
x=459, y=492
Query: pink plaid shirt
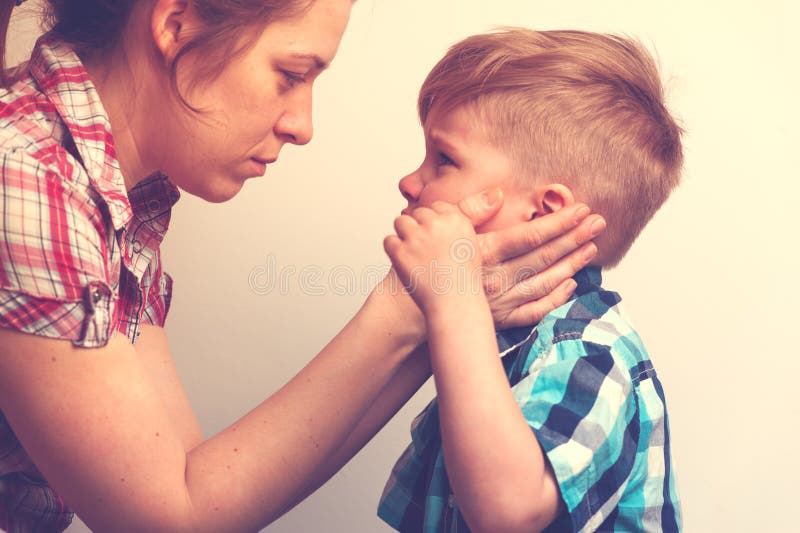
x=79, y=255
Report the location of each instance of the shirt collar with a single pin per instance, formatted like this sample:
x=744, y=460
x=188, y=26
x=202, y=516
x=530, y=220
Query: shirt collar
x=152, y=200
x=588, y=280
x=65, y=82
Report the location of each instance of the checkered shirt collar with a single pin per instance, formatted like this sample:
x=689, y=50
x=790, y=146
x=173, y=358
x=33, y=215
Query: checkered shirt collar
x=65, y=82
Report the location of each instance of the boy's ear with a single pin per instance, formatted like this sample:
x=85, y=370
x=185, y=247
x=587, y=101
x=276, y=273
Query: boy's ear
x=171, y=23
x=550, y=198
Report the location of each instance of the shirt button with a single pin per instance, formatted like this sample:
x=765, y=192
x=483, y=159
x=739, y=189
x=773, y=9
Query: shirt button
x=97, y=295
x=137, y=247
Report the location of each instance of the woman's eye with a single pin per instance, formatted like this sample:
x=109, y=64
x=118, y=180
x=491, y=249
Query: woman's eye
x=443, y=160
x=293, y=78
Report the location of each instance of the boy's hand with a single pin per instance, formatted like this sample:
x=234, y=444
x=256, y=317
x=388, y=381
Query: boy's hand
x=435, y=254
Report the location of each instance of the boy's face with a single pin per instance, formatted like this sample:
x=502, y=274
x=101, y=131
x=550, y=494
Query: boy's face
x=460, y=161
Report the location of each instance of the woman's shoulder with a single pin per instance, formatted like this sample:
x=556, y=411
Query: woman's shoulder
x=26, y=114
x=54, y=228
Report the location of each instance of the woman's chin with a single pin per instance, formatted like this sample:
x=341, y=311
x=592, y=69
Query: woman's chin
x=216, y=190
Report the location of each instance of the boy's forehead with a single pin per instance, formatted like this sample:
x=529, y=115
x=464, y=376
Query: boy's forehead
x=460, y=124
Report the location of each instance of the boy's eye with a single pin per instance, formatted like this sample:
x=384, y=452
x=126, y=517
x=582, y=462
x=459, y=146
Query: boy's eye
x=443, y=160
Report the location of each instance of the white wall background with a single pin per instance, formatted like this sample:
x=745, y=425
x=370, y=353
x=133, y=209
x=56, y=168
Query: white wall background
x=711, y=284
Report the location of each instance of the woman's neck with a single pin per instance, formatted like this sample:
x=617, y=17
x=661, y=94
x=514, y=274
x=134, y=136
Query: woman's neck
x=124, y=88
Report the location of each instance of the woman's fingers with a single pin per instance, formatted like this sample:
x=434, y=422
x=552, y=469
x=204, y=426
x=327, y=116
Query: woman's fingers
x=523, y=288
x=543, y=240
x=532, y=312
x=545, y=267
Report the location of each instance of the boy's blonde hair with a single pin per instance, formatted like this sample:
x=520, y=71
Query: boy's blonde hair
x=582, y=109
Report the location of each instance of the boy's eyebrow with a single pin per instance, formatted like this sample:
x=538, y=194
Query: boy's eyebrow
x=437, y=137
x=318, y=61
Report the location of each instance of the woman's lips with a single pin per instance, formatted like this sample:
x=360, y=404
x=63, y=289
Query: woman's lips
x=260, y=165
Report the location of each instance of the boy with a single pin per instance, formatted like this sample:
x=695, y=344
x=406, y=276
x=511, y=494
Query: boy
x=580, y=441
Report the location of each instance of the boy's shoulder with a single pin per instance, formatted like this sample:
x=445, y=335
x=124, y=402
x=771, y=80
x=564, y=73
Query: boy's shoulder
x=591, y=327
x=586, y=386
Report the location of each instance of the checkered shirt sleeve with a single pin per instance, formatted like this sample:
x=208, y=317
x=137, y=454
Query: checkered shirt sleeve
x=54, y=273
x=592, y=397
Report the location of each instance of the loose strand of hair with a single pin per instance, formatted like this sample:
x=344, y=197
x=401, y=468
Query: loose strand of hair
x=5, y=19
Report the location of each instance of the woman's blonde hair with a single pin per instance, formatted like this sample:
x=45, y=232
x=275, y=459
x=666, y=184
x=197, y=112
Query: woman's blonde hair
x=583, y=109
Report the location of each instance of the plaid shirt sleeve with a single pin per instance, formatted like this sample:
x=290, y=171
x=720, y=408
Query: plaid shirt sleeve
x=581, y=410
x=594, y=402
x=54, y=275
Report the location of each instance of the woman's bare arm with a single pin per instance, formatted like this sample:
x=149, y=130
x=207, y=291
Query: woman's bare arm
x=96, y=424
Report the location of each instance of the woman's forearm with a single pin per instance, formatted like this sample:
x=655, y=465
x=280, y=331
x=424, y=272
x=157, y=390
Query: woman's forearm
x=295, y=436
x=97, y=426
x=413, y=373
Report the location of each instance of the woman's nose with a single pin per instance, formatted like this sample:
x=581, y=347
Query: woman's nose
x=295, y=124
x=411, y=186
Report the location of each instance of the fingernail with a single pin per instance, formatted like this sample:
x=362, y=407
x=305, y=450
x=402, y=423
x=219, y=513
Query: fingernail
x=598, y=226
x=590, y=252
x=571, y=286
x=491, y=197
x=581, y=213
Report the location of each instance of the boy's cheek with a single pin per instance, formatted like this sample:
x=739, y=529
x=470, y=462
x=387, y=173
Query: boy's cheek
x=502, y=220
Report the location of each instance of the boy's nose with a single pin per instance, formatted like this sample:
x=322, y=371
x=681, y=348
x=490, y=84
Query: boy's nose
x=410, y=187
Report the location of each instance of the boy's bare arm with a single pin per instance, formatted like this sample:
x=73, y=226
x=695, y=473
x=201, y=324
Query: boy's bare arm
x=496, y=467
x=498, y=471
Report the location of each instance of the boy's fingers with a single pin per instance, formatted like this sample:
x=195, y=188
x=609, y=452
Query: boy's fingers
x=423, y=214
x=403, y=224
x=480, y=207
x=391, y=244
x=542, y=240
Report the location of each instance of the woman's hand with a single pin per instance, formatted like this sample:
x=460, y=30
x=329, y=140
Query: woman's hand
x=528, y=267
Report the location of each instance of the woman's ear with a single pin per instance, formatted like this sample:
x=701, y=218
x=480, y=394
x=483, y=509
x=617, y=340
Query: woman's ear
x=171, y=22
x=550, y=198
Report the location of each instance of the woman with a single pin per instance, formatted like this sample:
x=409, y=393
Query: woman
x=205, y=92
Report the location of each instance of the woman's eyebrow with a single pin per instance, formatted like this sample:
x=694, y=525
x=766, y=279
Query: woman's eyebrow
x=319, y=63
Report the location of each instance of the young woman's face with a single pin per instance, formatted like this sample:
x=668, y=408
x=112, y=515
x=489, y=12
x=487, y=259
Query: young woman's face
x=261, y=101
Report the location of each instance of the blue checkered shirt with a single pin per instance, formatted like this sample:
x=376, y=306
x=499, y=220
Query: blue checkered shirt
x=587, y=388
